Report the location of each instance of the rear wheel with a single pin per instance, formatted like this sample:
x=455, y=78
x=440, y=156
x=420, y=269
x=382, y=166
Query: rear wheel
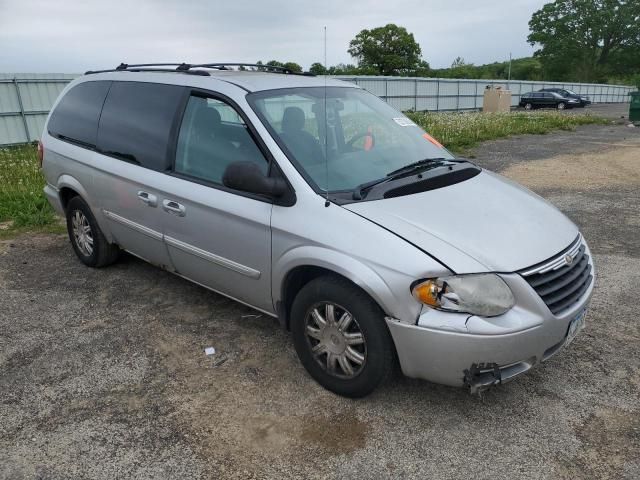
x=561, y=106
x=341, y=337
x=88, y=241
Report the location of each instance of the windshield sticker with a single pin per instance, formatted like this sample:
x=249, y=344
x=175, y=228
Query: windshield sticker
x=404, y=122
x=432, y=140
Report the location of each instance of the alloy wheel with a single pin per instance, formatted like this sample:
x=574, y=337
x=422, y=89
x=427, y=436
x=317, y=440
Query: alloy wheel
x=336, y=340
x=82, y=233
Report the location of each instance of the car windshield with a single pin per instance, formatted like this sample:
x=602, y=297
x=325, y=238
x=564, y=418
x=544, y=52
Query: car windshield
x=570, y=92
x=360, y=138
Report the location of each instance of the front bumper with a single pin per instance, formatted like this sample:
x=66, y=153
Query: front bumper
x=459, y=349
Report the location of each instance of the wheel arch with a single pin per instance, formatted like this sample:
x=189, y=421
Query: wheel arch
x=69, y=187
x=300, y=266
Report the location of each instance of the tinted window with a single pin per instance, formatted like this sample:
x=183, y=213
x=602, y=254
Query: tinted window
x=212, y=136
x=76, y=115
x=136, y=122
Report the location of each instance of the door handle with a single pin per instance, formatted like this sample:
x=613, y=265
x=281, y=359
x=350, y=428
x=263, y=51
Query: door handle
x=147, y=198
x=173, y=207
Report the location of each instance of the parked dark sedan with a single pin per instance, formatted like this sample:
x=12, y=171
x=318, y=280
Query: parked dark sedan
x=533, y=100
x=584, y=100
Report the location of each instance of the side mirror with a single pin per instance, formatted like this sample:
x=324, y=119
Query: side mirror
x=247, y=177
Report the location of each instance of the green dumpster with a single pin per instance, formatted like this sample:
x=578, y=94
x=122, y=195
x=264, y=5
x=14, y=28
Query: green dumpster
x=634, y=107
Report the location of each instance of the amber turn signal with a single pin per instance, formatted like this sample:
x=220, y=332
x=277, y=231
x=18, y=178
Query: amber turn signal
x=427, y=292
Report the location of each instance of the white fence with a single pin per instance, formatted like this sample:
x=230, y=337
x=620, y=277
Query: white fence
x=442, y=94
x=25, y=99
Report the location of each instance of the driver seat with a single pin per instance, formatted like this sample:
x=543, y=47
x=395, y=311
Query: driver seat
x=304, y=146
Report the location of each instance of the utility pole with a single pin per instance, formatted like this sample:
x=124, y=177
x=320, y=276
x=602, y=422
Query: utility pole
x=509, y=75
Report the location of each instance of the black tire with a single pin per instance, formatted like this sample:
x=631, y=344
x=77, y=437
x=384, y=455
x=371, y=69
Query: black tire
x=528, y=106
x=377, y=350
x=561, y=106
x=101, y=253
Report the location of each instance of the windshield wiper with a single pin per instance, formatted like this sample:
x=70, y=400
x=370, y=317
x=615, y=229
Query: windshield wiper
x=360, y=191
x=418, y=165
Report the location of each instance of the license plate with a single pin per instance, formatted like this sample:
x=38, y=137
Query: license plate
x=575, y=326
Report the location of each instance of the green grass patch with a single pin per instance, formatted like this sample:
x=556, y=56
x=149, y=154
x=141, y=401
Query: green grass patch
x=461, y=131
x=23, y=205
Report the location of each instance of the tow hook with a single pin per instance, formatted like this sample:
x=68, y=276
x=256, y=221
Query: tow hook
x=482, y=376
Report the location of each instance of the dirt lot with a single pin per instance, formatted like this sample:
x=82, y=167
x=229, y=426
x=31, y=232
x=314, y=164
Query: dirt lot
x=103, y=375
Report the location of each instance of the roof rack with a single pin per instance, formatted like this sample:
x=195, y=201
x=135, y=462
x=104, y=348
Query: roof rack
x=260, y=66
x=145, y=67
x=187, y=68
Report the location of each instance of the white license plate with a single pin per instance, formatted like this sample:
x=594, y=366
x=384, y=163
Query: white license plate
x=575, y=326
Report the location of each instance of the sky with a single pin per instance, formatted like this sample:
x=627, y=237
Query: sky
x=65, y=36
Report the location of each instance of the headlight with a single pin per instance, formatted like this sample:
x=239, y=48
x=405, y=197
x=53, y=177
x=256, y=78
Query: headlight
x=483, y=294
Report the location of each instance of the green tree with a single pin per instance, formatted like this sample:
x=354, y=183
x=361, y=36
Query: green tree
x=348, y=69
x=585, y=40
x=388, y=50
x=294, y=67
x=459, y=63
x=317, y=69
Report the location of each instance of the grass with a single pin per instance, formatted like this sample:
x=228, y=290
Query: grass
x=23, y=206
x=461, y=131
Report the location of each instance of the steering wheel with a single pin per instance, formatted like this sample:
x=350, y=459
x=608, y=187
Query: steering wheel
x=367, y=145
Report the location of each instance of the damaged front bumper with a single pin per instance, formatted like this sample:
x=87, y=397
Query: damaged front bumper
x=463, y=350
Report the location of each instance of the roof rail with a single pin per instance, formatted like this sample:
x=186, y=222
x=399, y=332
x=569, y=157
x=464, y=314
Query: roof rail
x=260, y=66
x=144, y=67
x=187, y=68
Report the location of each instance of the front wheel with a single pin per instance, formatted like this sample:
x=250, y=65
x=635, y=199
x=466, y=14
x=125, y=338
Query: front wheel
x=88, y=241
x=561, y=106
x=341, y=337
x=528, y=106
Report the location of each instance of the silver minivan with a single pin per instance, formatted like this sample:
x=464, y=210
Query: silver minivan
x=315, y=202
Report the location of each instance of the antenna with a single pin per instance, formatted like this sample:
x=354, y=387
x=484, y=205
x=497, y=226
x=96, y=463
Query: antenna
x=326, y=123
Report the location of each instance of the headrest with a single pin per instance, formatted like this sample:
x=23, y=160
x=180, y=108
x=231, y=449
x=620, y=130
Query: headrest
x=292, y=119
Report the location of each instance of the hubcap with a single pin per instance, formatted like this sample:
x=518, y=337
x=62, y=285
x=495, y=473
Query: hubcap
x=336, y=341
x=82, y=233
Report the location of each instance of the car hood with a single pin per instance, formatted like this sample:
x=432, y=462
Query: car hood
x=486, y=223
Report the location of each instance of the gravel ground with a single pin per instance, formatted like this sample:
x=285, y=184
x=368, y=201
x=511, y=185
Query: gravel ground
x=102, y=372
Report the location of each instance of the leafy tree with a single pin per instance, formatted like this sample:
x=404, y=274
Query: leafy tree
x=294, y=67
x=585, y=40
x=348, y=69
x=388, y=50
x=527, y=68
x=317, y=69
x=459, y=63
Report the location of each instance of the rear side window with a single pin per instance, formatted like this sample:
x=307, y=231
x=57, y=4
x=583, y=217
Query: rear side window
x=136, y=122
x=76, y=116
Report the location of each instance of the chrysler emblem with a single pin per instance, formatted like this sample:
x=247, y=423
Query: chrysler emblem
x=568, y=259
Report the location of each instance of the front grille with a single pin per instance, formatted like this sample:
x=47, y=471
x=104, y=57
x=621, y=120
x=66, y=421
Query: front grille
x=559, y=284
